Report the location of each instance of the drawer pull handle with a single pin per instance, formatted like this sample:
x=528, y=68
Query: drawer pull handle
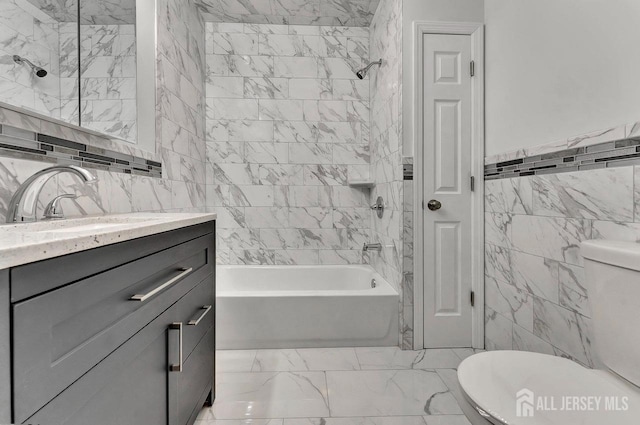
x=194, y=322
x=144, y=297
x=177, y=367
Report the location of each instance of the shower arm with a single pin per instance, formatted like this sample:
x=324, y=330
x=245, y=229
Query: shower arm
x=368, y=67
x=20, y=59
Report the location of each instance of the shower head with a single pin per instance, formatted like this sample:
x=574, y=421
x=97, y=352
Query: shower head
x=40, y=72
x=363, y=72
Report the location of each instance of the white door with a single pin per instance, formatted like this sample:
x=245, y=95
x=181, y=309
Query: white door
x=447, y=191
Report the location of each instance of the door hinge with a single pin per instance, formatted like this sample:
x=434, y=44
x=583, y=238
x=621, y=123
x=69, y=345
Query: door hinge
x=473, y=299
x=472, y=68
x=473, y=184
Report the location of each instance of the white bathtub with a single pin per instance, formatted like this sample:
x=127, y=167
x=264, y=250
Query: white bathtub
x=304, y=306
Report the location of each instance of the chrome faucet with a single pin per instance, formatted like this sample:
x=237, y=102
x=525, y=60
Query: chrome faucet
x=22, y=207
x=372, y=247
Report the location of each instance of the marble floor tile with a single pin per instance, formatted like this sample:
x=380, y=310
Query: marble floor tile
x=388, y=420
x=383, y=420
x=270, y=395
x=463, y=353
x=326, y=387
x=389, y=393
x=234, y=360
x=204, y=419
x=311, y=359
x=447, y=420
x=450, y=379
x=394, y=358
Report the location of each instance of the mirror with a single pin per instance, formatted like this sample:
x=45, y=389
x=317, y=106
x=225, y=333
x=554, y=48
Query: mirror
x=41, y=75
x=108, y=53
x=39, y=57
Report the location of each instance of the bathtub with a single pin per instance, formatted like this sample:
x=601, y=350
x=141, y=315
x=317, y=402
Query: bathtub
x=304, y=306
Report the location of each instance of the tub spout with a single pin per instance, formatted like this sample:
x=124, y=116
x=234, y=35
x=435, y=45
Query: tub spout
x=372, y=247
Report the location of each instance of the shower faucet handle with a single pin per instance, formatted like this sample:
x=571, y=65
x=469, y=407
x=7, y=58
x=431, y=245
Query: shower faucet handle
x=378, y=207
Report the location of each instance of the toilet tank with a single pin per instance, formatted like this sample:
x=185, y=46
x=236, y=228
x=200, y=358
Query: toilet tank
x=612, y=271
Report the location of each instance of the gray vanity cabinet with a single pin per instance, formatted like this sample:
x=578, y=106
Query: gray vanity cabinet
x=124, y=342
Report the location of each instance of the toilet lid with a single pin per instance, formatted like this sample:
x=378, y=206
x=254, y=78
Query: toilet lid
x=516, y=387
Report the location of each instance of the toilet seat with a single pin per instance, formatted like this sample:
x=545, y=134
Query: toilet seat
x=491, y=380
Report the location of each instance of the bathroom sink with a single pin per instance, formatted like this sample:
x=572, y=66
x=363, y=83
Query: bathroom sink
x=95, y=227
x=78, y=225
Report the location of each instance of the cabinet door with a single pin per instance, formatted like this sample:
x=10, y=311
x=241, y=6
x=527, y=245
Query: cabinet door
x=128, y=387
x=189, y=388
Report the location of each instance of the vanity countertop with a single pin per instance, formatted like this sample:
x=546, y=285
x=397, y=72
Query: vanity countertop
x=29, y=242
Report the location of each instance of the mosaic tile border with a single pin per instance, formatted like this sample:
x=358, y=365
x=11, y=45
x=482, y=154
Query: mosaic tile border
x=407, y=172
x=30, y=145
x=618, y=153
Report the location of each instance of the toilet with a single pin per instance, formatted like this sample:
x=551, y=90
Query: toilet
x=516, y=387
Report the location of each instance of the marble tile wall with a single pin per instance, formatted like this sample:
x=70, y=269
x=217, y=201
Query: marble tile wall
x=386, y=151
x=69, y=84
x=180, y=102
x=97, y=12
x=625, y=131
x=357, y=13
x=27, y=32
x=407, y=263
x=287, y=128
x=180, y=135
x=108, y=79
x=536, y=292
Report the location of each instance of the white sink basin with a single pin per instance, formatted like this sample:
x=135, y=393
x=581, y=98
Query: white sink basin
x=77, y=225
x=86, y=228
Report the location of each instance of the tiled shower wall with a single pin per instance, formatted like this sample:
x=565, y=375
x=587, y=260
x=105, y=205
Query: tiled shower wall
x=287, y=128
x=109, y=79
x=536, y=290
x=69, y=85
x=179, y=137
x=408, y=204
x=386, y=149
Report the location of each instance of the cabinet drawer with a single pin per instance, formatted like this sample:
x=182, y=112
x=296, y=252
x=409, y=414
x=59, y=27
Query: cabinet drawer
x=36, y=278
x=60, y=335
